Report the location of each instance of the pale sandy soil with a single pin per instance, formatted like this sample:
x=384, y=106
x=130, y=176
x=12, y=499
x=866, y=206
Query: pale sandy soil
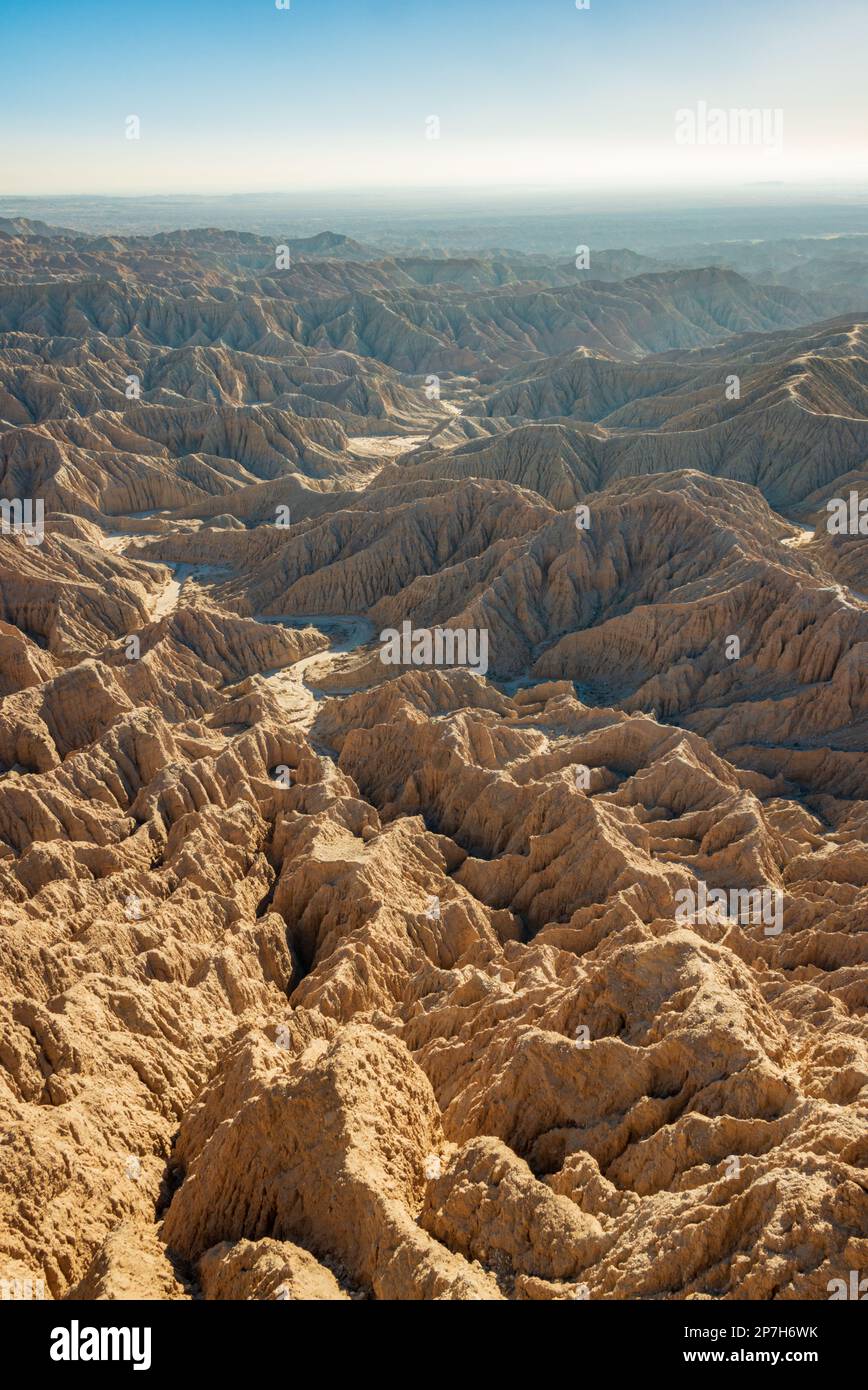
x=805, y=538
x=289, y=685
x=167, y=601
x=382, y=446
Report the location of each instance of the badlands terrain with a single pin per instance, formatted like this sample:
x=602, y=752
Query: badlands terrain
x=324, y=978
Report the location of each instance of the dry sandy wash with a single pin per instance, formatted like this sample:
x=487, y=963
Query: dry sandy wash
x=327, y=979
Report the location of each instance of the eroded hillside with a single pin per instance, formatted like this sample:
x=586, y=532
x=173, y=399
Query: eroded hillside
x=540, y=975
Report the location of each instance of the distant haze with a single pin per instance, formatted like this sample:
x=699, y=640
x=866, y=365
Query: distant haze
x=538, y=221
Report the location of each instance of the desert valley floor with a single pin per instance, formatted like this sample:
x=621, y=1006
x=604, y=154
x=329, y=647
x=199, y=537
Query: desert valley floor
x=322, y=978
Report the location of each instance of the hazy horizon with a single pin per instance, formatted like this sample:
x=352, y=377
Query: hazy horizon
x=546, y=222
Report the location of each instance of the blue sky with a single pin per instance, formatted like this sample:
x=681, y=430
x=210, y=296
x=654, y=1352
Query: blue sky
x=236, y=95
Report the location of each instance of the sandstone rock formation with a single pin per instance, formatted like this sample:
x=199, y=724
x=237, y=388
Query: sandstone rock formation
x=323, y=978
